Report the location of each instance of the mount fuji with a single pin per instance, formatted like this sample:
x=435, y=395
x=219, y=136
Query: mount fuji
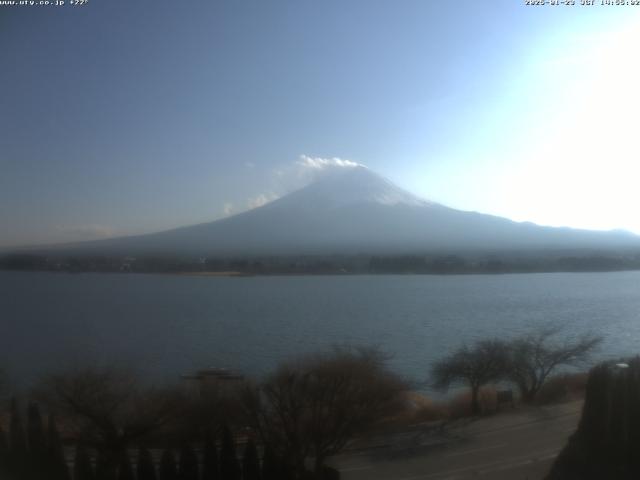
x=354, y=210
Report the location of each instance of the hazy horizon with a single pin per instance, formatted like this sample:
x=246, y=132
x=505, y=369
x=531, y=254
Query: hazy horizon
x=123, y=118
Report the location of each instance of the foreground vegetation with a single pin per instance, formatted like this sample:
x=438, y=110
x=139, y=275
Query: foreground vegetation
x=115, y=427
x=526, y=362
x=286, y=426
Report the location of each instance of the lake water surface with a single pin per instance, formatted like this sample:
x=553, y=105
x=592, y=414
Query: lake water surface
x=166, y=325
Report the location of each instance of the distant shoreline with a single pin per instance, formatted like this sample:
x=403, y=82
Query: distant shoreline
x=214, y=274
x=391, y=264
x=381, y=274
x=237, y=274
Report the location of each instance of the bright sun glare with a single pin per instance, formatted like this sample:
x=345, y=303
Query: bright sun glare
x=584, y=162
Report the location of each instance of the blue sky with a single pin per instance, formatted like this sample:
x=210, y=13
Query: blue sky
x=124, y=117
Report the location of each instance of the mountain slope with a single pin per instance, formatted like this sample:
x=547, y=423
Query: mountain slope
x=355, y=211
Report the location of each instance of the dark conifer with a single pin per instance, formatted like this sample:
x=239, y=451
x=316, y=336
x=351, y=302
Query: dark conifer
x=168, y=470
x=250, y=462
x=104, y=467
x=286, y=471
x=82, y=468
x=210, y=467
x=38, y=459
x=55, y=452
x=210, y=460
x=229, y=467
x=270, y=470
x=35, y=432
x=18, y=463
x=4, y=445
x=125, y=472
x=275, y=467
x=4, y=455
x=17, y=441
x=146, y=469
x=188, y=463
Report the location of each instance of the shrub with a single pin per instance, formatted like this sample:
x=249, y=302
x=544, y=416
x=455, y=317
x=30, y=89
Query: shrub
x=460, y=405
x=562, y=388
x=421, y=408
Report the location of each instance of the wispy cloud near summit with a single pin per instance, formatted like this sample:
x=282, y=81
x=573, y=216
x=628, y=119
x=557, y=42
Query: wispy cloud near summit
x=318, y=163
x=308, y=169
x=290, y=177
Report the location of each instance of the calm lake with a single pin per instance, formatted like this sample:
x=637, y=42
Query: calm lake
x=166, y=325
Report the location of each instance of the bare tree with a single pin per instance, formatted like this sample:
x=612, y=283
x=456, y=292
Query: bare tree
x=476, y=366
x=534, y=357
x=107, y=408
x=313, y=407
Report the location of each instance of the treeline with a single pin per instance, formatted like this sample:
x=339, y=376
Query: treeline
x=454, y=264
x=106, y=424
x=329, y=265
x=169, y=264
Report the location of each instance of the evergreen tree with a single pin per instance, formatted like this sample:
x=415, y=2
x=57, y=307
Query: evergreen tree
x=250, y=462
x=168, y=470
x=125, y=472
x=210, y=467
x=4, y=455
x=146, y=469
x=270, y=469
x=82, y=468
x=285, y=469
x=274, y=467
x=229, y=467
x=58, y=467
x=35, y=432
x=104, y=467
x=17, y=442
x=38, y=459
x=188, y=463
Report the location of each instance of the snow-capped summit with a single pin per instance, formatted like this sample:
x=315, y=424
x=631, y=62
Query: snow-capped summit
x=354, y=210
x=360, y=185
x=348, y=186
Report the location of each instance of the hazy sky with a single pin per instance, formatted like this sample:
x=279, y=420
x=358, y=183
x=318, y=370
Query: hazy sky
x=126, y=116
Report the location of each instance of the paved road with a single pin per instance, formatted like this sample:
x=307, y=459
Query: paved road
x=517, y=445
